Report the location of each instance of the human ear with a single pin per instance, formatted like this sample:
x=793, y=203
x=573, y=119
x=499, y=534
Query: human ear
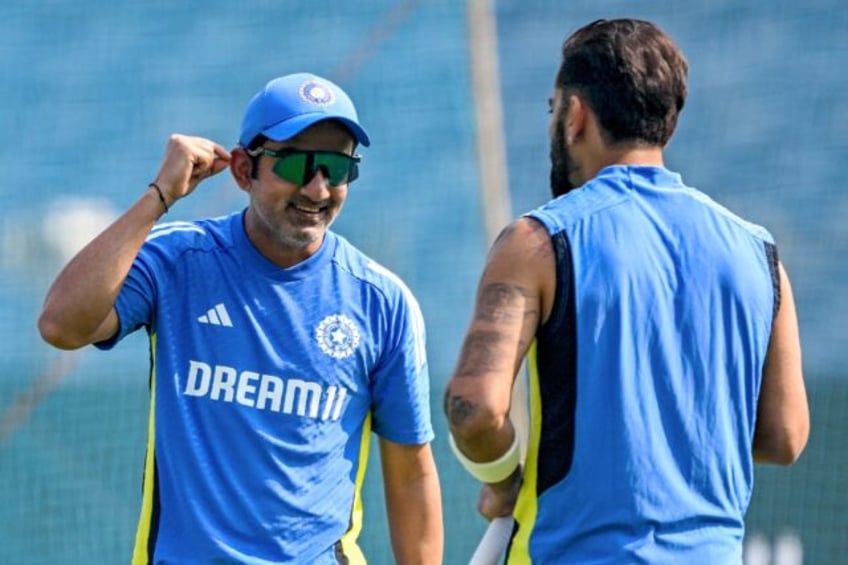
x=241, y=166
x=575, y=119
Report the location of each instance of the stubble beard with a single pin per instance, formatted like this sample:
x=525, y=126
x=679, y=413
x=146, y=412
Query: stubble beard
x=561, y=163
x=282, y=233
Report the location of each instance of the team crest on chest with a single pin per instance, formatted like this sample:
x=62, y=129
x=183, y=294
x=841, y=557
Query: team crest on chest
x=337, y=336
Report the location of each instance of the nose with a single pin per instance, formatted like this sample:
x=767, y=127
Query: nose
x=318, y=187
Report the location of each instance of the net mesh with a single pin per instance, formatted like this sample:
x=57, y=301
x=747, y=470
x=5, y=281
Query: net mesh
x=92, y=89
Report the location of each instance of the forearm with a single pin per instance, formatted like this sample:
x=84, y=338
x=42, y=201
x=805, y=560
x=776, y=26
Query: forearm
x=508, y=310
x=84, y=293
x=415, y=521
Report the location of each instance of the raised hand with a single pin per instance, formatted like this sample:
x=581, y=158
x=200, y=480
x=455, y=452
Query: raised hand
x=187, y=161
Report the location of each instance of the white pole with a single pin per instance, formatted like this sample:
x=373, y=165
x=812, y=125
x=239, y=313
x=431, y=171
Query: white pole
x=491, y=148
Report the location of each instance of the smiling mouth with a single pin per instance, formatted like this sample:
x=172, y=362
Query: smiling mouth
x=307, y=209
x=309, y=214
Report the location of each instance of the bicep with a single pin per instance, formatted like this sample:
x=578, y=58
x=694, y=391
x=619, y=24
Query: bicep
x=783, y=361
x=404, y=463
x=413, y=501
x=507, y=312
x=782, y=410
x=410, y=478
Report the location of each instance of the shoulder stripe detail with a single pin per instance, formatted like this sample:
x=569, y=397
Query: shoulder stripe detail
x=169, y=225
x=415, y=312
x=172, y=227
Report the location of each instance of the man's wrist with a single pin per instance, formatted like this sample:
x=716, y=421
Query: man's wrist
x=161, y=195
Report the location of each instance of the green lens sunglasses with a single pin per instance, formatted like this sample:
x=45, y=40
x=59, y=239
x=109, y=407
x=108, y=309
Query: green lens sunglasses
x=298, y=166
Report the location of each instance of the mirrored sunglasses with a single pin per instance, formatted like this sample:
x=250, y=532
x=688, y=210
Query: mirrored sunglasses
x=298, y=167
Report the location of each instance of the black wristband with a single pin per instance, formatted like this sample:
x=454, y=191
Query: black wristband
x=161, y=196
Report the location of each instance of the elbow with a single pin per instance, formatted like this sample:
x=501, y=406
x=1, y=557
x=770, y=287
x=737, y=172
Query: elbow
x=783, y=457
x=785, y=450
x=54, y=334
x=794, y=445
x=470, y=418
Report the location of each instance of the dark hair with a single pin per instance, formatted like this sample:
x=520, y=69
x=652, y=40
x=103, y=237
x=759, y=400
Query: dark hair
x=255, y=143
x=631, y=74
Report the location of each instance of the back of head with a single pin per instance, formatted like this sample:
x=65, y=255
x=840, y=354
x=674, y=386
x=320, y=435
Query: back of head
x=631, y=74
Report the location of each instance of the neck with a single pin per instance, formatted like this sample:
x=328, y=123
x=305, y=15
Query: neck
x=627, y=155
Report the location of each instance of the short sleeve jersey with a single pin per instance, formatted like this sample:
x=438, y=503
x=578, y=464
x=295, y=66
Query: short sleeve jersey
x=265, y=385
x=644, y=381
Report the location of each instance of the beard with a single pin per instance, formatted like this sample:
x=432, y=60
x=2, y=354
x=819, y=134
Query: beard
x=562, y=165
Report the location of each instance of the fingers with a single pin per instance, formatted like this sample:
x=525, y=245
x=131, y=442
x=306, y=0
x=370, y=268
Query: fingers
x=221, y=152
x=498, y=499
x=219, y=164
x=492, y=504
x=188, y=160
x=221, y=160
x=207, y=158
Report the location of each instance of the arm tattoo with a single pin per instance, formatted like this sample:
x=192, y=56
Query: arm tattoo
x=540, y=240
x=479, y=354
x=459, y=410
x=500, y=302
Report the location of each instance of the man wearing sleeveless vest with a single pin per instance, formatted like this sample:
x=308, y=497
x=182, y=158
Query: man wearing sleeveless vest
x=658, y=327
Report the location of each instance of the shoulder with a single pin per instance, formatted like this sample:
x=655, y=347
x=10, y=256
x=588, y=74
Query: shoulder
x=523, y=240
x=523, y=259
x=176, y=238
x=752, y=228
x=600, y=193
x=368, y=271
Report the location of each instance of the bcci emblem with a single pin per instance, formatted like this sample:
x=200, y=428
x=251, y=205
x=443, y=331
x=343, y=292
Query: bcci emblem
x=317, y=93
x=337, y=336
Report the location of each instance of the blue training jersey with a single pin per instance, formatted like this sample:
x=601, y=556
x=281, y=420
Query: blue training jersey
x=644, y=381
x=265, y=386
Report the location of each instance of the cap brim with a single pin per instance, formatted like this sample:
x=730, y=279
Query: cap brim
x=293, y=126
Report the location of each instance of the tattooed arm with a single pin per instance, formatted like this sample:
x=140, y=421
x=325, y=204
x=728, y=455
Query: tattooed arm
x=514, y=297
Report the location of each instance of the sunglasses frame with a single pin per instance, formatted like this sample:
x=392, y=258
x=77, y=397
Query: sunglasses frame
x=310, y=169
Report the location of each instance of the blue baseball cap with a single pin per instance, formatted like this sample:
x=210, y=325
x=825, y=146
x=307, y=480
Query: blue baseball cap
x=290, y=104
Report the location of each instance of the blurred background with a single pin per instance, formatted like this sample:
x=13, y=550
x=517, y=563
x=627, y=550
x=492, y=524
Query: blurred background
x=91, y=90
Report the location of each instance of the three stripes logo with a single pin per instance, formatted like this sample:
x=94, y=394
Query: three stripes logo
x=217, y=316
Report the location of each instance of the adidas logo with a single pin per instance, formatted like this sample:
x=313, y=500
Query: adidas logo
x=216, y=316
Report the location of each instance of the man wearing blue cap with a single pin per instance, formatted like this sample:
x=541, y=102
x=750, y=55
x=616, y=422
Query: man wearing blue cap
x=276, y=349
